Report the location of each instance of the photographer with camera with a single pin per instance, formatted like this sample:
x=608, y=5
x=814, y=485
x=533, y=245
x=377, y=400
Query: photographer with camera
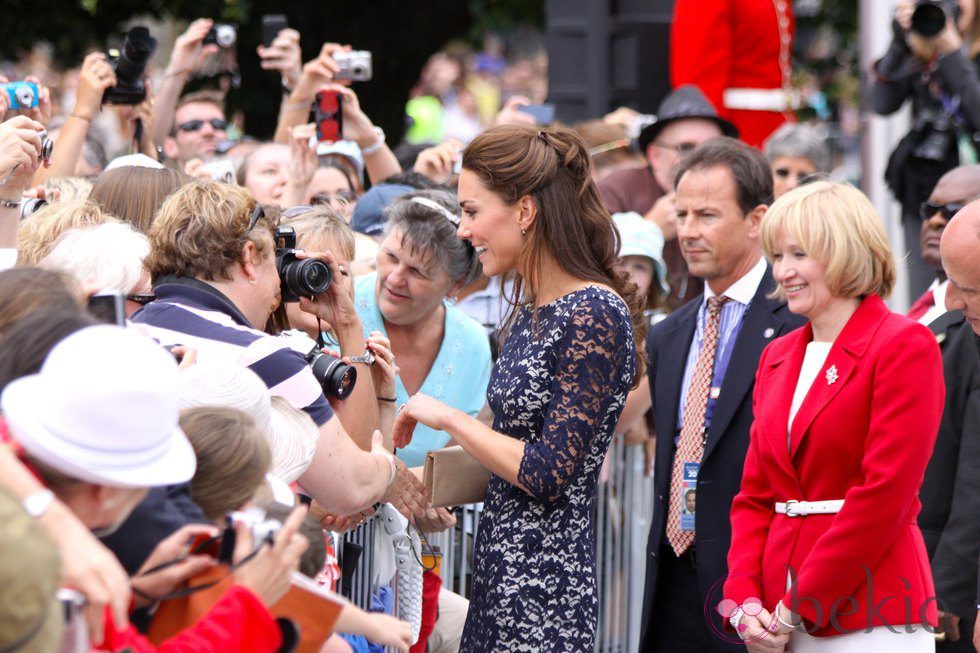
x=216, y=272
x=933, y=60
x=318, y=75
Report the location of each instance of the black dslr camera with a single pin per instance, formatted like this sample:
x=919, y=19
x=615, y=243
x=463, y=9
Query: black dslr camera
x=930, y=16
x=129, y=65
x=298, y=277
x=335, y=377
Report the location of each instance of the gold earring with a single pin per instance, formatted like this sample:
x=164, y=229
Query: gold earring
x=252, y=280
x=523, y=231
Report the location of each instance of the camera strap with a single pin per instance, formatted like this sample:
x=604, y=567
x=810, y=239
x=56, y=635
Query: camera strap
x=137, y=135
x=191, y=589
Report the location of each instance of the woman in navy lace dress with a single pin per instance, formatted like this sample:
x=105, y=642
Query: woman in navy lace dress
x=568, y=360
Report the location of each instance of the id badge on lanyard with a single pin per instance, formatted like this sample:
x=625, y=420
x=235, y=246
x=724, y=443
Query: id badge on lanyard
x=687, y=495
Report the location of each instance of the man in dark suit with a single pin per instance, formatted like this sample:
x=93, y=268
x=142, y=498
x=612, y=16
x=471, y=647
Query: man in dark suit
x=703, y=360
x=950, y=492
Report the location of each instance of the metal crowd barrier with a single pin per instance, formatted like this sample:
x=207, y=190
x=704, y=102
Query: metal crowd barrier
x=624, y=505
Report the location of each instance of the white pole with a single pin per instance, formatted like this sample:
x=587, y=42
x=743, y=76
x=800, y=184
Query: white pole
x=880, y=135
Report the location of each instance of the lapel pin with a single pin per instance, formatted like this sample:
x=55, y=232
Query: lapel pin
x=941, y=337
x=832, y=374
x=769, y=333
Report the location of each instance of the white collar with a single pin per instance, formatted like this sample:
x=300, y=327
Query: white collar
x=743, y=290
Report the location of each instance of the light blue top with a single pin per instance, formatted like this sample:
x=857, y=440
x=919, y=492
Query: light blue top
x=459, y=375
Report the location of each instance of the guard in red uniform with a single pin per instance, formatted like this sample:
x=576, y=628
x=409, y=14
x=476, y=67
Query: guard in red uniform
x=739, y=52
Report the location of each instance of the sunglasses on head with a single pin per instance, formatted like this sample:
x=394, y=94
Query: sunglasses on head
x=141, y=298
x=193, y=125
x=928, y=209
x=258, y=213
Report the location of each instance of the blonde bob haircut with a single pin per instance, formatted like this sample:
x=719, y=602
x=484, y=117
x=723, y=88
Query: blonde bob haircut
x=37, y=235
x=201, y=229
x=837, y=225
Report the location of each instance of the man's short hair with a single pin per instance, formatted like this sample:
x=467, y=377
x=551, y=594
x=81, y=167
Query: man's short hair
x=201, y=229
x=206, y=96
x=748, y=166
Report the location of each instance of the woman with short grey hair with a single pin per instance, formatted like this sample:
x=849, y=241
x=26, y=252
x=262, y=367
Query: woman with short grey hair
x=796, y=152
x=421, y=264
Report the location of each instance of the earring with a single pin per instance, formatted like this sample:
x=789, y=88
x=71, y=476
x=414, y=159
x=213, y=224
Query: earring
x=523, y=231
x=252, y=280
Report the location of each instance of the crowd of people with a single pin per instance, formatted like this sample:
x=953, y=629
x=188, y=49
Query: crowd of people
x=247, y=350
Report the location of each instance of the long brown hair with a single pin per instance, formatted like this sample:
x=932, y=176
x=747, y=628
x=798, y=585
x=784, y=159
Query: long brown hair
x=552, y=166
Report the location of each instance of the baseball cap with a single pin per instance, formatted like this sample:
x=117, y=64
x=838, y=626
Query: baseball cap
x=369, y=217
x=103, y=409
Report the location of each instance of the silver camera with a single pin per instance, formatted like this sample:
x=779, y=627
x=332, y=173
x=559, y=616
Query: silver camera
x=263, y=530
x=355, y=65
x=224, y=35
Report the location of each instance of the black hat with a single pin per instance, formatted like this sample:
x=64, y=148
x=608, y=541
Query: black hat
x=684, y=102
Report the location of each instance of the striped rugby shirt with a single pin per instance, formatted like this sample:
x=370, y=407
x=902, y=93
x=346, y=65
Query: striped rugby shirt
x=193, y=313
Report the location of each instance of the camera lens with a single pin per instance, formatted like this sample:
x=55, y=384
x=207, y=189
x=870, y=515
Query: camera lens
x=304, y=278
x=928, y=19
x=224, y=35
x=336, y=377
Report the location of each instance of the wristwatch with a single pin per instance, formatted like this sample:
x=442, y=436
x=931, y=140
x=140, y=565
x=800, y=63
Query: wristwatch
x=367, y=358
x=10, y=204
x=38, y=503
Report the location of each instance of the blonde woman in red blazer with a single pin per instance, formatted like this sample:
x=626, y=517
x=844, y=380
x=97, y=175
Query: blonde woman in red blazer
x=826, y=554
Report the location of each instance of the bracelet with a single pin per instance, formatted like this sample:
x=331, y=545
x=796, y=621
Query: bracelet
x=391, y=461
x=392, y=400
x=784, y=624
x=75, y=115
x=736, y=619
x=371, y=149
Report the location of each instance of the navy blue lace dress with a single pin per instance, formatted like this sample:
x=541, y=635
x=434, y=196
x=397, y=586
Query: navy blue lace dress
x=561, y=392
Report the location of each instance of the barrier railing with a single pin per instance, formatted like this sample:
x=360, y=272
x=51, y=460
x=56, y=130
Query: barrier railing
x=624, y=505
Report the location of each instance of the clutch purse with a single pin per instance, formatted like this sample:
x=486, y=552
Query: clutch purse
x=453, y=477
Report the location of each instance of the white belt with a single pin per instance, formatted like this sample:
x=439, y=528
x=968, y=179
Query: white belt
x=761, y=99
x=794, y=508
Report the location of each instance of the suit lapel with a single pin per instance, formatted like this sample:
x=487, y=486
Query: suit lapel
x=841, y=362
x=783, y=368
x=944, y=323
x=758, y=321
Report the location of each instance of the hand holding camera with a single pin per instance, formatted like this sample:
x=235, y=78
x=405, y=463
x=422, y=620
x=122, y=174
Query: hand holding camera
x=23, y=146
x=97, y=76
x=269, y=574
x=317, y=72
x=190, y=52
x=29, y=97
x=334, y=305
x=439, y=162
x=284, y=55
x=931, y=20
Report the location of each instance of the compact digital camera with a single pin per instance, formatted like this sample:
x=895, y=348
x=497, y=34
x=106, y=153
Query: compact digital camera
x=355, y=65
x=224, y=35
x=23, y=95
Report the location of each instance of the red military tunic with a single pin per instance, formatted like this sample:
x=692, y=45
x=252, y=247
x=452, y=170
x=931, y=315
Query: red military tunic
x=734, y=44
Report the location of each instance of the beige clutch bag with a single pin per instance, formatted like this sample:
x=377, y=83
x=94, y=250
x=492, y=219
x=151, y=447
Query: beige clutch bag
x=453, y=477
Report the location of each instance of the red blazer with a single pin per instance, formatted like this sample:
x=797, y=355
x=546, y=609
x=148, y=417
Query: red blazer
x=719, y=44
x=866, y=438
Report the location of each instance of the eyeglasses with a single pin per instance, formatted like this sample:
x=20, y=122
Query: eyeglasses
x=680, y=148
x=928, y=209
x=141, y=298
x=193, y=125
x=801, y=177
x=343, y=198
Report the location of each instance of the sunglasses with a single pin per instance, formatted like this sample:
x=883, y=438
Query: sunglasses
x=193, y=125
x=141, y=298
x=258, y=213
x=928, y=209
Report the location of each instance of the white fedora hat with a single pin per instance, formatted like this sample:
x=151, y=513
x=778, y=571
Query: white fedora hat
x=103, y=409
